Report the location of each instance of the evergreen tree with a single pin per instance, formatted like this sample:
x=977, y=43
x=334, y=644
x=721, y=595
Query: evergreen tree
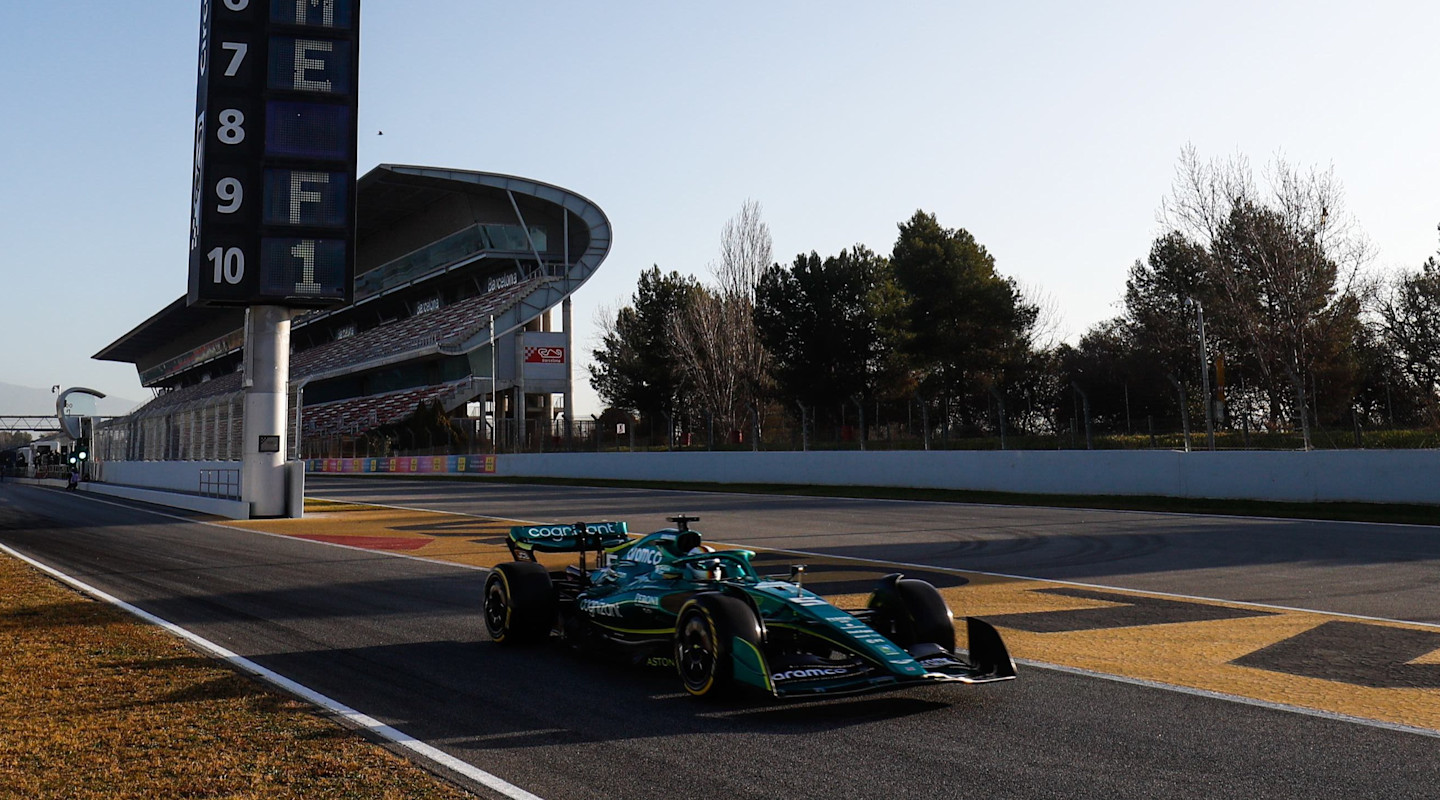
x=820, y=321
x=964, y=323
x=635, y=367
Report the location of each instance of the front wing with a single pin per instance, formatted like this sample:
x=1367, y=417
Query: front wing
x=987, y=661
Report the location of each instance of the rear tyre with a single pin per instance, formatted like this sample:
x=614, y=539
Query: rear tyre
x=911, y=612
x=519, y=603
x=705, y=635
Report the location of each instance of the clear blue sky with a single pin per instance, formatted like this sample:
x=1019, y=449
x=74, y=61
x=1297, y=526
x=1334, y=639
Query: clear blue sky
x=1049, y=130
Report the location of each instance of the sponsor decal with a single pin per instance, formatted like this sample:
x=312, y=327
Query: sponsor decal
x=812, y=674
x=647, y=600
x=642, y=555
x=600, y=608
x=659, y=661
x=544, y=355
x=941, y=661
x=439, y=464
x=865, y=634
x=566, y=531
x=808, y=600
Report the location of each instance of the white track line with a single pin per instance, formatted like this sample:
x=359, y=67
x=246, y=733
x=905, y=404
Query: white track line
x=350, y=715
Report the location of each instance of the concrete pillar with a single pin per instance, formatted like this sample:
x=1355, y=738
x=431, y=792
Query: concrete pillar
x=267, y=375
x=520, y=390
x=569, y=371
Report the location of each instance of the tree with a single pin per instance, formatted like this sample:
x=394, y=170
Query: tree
x=821, y=322
x=635, y=367
x=1282, y=266
x=964, y=323
x=719, y=347
x=1409, y=320
x=1157, y=304
x=1117, y=375
x=745, y=247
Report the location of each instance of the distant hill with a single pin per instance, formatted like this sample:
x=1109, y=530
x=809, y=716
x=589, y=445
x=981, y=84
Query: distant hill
x=41, y=402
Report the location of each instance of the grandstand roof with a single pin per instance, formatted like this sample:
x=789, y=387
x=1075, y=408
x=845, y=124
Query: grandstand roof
x=387, y=197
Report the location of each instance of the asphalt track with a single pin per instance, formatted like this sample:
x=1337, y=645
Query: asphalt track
x=400, y=639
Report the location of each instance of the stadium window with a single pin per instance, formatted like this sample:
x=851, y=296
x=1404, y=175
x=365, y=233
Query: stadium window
x=511, y=238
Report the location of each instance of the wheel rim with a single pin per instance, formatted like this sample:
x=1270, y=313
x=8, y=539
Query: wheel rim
x=497, y=609
x=695, y=653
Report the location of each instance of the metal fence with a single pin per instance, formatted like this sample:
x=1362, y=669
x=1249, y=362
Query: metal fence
x=780, y=432
x=221, y=483
x=212, y=431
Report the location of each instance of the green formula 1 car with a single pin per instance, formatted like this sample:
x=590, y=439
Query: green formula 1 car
x=667, y=599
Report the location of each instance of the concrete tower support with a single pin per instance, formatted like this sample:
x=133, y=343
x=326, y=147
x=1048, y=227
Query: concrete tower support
x=267, y=375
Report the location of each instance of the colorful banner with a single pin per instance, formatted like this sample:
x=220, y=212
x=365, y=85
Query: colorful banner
x=432, y=465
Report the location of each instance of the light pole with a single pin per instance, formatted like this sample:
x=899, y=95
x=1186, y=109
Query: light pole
x=494, y=398
x=1204, y=373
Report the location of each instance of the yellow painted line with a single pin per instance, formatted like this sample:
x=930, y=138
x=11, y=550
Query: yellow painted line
x=1197, y=655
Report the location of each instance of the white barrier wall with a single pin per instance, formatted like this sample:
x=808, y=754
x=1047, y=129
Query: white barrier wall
x=172, y=476
x=1371, y=476
x=174, y=483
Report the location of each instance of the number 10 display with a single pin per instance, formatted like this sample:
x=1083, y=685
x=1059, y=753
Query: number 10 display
x=272, y=212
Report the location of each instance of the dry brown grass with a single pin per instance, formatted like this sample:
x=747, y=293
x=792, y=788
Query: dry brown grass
x=95, y=704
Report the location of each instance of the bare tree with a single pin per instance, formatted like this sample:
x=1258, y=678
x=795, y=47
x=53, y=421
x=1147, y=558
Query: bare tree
x=1048, y=331
x=706, y=341
x=718, y=342
x=1284, y=263
x=744, y=253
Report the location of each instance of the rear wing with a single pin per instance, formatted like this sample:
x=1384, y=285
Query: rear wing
x=527, y=540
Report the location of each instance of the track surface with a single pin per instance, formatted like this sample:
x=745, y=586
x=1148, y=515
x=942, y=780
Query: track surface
x=400, y=639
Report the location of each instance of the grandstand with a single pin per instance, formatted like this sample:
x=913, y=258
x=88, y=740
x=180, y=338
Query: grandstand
x=457, y=277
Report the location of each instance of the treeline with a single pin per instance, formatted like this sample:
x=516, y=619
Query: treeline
x=1258, y=295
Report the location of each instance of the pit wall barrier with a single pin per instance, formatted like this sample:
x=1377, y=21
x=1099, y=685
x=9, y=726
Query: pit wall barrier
x=179, y=484
x=168, y=476
x=1367, y=476
x=232, y=509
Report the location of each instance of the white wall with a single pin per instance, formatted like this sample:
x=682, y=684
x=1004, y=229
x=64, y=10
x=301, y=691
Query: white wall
x=174, y=476
x=1374, y=476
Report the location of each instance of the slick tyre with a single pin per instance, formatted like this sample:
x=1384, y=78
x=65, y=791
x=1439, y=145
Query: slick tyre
x=705, y=635
x=911, y=612
x=519, y=603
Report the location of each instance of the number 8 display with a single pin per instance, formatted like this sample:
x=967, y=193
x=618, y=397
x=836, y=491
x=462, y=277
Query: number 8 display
x=232, y=126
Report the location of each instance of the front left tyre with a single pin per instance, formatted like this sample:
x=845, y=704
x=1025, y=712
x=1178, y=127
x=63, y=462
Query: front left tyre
x=706, y=634
x=911, y=612
x=519, y=603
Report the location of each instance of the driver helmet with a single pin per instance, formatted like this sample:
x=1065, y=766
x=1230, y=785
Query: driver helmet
x=708, y=570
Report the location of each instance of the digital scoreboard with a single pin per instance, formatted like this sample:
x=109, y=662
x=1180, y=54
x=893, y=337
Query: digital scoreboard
x=272, y=212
